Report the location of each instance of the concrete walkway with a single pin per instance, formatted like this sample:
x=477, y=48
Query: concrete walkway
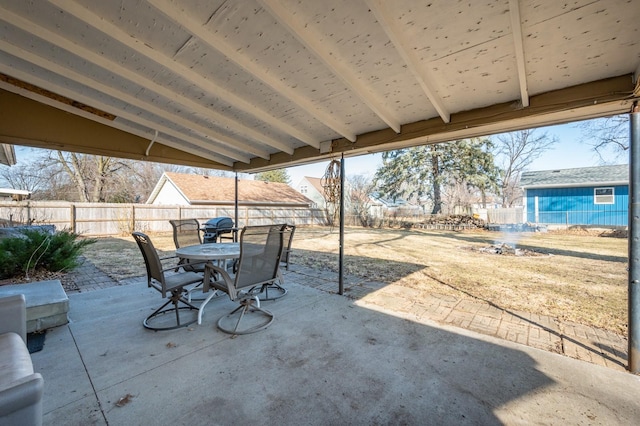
x=325, y=360
x=577, y=341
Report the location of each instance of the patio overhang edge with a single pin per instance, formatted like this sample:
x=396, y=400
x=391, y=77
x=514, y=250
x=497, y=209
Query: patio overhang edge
x=32, y=123
x=590, y=100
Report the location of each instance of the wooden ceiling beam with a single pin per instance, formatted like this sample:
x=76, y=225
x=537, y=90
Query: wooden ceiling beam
x=218, y=43
x=380, y=8
x=102, y=62
x=35, y=123
x=114, y=32
x=134, y=118
x=516, y=30
x=315, y=43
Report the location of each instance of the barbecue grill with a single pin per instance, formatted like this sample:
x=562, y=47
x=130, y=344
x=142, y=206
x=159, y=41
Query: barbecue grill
x=214, y=228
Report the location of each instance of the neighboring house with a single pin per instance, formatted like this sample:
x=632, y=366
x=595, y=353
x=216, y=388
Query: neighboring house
x=590, y=196
x=383, y=206
x=9, y=194
x=311, y=188
x=190, y=189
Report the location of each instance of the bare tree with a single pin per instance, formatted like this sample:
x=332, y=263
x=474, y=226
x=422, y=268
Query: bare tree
x=90, y=175
x=359, y=190
x=608, y=137
x=27, y=177
x=515, y=152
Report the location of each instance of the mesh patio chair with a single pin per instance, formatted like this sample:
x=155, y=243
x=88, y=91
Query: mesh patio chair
x=260, y=252
x=171, y=286
x=286, y=249
x=186, y=232
x=275, y=290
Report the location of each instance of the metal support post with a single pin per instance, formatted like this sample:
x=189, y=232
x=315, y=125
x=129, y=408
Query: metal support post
x=341, y=255
x=236, y=204
x=634, y=240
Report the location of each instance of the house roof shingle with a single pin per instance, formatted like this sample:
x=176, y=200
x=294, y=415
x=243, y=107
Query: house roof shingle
x=583, y=176
x=199, y=189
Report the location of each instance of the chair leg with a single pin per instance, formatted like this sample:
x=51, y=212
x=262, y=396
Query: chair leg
x=175, y=300
x=247, y=306
x=277, y=291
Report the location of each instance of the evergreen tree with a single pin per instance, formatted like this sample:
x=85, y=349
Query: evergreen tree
x=279, y=175
x=422, y=172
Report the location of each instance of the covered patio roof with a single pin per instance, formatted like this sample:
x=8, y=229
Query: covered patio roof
x=259, y=84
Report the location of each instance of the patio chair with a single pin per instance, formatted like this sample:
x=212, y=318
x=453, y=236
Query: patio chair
x=274, y=290
x=171, y=286
x=186, y=232
x=260, y=252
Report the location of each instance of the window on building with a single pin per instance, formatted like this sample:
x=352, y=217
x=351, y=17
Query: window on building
x=603, y=195
x=303, y=189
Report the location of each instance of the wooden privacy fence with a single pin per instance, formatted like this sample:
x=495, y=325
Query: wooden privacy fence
x=94, y=219
x=509, y=215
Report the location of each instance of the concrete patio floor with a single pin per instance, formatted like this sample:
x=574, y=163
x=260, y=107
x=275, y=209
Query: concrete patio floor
x=325, y=360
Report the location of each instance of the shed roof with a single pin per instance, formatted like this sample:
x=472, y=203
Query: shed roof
x=583, y=176
x=200, y=189
x=11, y=191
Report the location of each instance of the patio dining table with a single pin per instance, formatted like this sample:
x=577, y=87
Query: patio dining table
x=209, y=252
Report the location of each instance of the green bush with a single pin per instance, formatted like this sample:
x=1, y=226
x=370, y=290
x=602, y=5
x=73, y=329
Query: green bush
x=35, y=249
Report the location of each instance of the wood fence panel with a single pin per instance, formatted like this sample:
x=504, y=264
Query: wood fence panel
x=100, y=219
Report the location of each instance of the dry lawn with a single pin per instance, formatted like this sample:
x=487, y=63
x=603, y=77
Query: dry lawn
x=580, y=277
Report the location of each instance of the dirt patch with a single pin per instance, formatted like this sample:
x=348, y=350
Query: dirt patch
x=67, y=281
x=599, y=232
x=615, y=233
x=506, y=250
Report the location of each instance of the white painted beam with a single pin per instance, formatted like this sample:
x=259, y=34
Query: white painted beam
x=132, y=76
x=37, y=81
x=132, y=100
x=313, y=41
x=111, y=30
x=516, y=30
x=422, y=75
x=115, y=124
x=195, y=27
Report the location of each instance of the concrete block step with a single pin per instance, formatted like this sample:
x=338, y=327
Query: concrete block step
x=47, y=303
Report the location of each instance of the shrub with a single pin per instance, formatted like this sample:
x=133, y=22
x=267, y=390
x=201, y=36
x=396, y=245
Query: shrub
x=34, y=249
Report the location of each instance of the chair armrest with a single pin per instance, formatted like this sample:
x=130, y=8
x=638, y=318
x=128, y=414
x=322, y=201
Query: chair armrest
x=228, y=287
x=17, y=396
x=13, y=315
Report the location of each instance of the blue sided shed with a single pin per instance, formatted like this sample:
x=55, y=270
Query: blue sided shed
x=588, y=196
